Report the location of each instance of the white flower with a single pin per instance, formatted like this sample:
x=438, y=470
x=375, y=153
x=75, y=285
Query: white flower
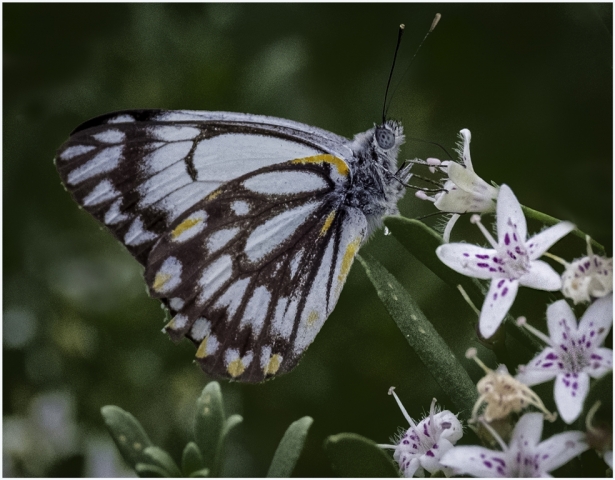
x=512, y=261
x=463, y=190
x=501, y=394
x=574, y=354
x=422, y=445
x=587, y=277
x=524, y=456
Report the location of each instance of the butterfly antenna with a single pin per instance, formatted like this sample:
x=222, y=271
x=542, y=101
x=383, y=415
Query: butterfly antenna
x=414, y=139
x=431, y=29
x=386, y=93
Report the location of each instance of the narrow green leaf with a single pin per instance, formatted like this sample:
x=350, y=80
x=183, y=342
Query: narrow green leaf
x=192, y=460
x=200, y=473
x=289, y=449
x=127, y=433
x=159, y=457
x=352, y=455
x=208, y=425
x=422, y=241
x=422, y=336
x=230, y=423
x=146, y=470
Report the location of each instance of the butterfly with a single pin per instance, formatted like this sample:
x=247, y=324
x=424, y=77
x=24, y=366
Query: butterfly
x=247, y=225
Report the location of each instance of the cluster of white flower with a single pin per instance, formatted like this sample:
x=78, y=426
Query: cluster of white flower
x=573, y=354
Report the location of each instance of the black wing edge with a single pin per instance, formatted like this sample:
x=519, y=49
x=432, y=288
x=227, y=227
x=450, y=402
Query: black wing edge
x=143, y=115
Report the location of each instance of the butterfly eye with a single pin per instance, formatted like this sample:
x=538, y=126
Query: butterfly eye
x=385, y=138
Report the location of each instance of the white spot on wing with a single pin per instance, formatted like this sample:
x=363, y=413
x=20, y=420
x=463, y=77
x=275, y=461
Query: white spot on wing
x=256, y=310
x=232, y=297
x=179, y=322
x=176, y=303
x=165, y=156
x=122, y=119
x=75, y=150
x=169, y=275
x=233, y=354
x=240, y=207
x=219, y=239
x=214, y=276
x=110, y=136
x=265, y=355
x=107, y=160
x=190, y=227
x=103, y=192
x=267, y=237
x=114, y=215
x=171, y=133
x=200, y=329
x=285, y=183
x=137, y=234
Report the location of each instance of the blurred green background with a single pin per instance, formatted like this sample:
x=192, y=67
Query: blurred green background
x=532, y=82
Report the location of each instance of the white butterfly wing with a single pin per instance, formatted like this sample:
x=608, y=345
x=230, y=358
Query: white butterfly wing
x=238, y=219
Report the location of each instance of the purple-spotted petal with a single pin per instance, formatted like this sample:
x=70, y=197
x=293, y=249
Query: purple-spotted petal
x=411, y=468
x=570, y=392
x=540, y=243
x=600, y=362
x=430, y=460
x=543, y=367
x=470, y=260
x=561, y=322
x=597, y=320
x=560, y=449
x=528, y=431
x=541, y=277
x=509, y=214
x=500, y=297
x=476, y=461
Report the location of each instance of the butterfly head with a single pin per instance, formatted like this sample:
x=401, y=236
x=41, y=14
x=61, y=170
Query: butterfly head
x=388, y=136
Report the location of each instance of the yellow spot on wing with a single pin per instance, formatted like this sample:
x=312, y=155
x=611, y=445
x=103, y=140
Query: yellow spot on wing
x=236, y=367
x=185, y=225
x=202, y=350
x=273, y=365
x=160, y=280
x=351, y=251
x=214, y=194
x=312, y=318
x=328, y=223
x=342, y=167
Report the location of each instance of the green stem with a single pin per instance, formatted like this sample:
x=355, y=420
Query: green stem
x=549, y=220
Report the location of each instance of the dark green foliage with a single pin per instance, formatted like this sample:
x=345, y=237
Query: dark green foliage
x=204, y=457
x=352, y=455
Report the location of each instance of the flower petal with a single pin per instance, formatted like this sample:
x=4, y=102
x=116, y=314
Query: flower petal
x=541, y=277
x=543, y=367
x=597, y=320
x=528, y=429
x=509, y=215
x=500, y=297
x=561, y=323
x=601, y=362
x=470, y=260
x=560, y=449
x=476, y=461
x=430, y=461
x=446, y=236
x=540, y=243
x=570, y=392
